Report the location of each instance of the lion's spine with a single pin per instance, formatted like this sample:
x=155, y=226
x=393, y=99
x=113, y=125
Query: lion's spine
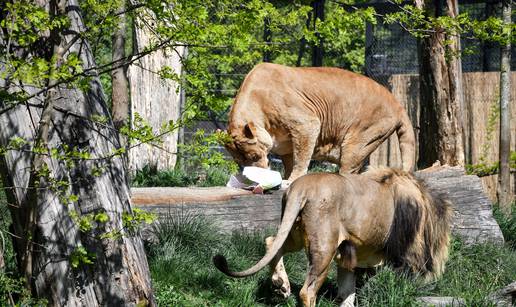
x=292, y=206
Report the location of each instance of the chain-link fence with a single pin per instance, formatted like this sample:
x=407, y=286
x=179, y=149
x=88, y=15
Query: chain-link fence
x=391, y=50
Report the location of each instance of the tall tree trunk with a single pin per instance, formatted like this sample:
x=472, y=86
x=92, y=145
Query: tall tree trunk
x=156, y=100
x=505, y=196
x=441, y=125
x=48, y=237
x=120, y=84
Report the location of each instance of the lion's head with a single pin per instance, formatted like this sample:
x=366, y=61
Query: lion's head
x=249, y=145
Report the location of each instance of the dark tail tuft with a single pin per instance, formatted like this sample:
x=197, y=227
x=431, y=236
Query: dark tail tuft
x=220, y=263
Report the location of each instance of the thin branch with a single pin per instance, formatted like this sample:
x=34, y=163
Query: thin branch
x=66, y=47
x=18, y=104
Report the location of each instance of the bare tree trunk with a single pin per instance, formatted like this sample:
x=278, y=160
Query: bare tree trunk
x=47, y=235
x=441, y=133
x=155, y=99
x=505, y=196
x=120, y=83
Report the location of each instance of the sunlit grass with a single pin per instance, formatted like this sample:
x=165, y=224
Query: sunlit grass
x=184, y=275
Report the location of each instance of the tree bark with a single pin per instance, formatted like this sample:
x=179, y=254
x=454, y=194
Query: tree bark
x=120, y=83
x=47, y=236
x=505, y=196
x=441, y=125
x=155, y=99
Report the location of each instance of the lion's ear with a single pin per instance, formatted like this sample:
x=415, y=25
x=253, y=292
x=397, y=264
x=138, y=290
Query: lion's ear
x=264, y=137
x=250, y=130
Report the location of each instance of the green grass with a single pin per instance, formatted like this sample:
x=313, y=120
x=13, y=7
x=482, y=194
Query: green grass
x=476, y=271
x=507, y=224
x=184, y=275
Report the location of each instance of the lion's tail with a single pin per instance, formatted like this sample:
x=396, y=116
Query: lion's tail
x=293, y=206
x=407, y=140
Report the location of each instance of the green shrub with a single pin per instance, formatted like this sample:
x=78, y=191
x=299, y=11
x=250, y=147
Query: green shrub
x=150, y=177
x=203, y=164
x=507, y=224
x=14, y=293
x=12, y=286
x=185, y=230
x=203, y=152
x=324, y=167
x=213, y=177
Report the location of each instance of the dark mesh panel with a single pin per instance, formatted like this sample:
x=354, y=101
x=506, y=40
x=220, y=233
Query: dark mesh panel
x=392, y=50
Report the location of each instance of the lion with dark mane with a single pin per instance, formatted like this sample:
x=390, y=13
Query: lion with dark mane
x=381, y=216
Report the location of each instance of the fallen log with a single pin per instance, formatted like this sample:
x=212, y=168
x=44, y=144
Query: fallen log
x=234, y=209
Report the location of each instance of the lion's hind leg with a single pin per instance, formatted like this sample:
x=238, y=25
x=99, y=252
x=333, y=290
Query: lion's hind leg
x=356, y=148
x=346, y=284
x=279, y=274
x=320, y=255
x=346, y=263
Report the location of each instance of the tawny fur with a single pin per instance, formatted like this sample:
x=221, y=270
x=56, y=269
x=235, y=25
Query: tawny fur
x=382, y=215
x=321, y=113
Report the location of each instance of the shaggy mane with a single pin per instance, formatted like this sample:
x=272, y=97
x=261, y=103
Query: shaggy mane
x=420, y=232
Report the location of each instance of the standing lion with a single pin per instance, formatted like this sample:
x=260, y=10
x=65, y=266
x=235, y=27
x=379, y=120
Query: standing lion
x=361, y=221
x=320, y=113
